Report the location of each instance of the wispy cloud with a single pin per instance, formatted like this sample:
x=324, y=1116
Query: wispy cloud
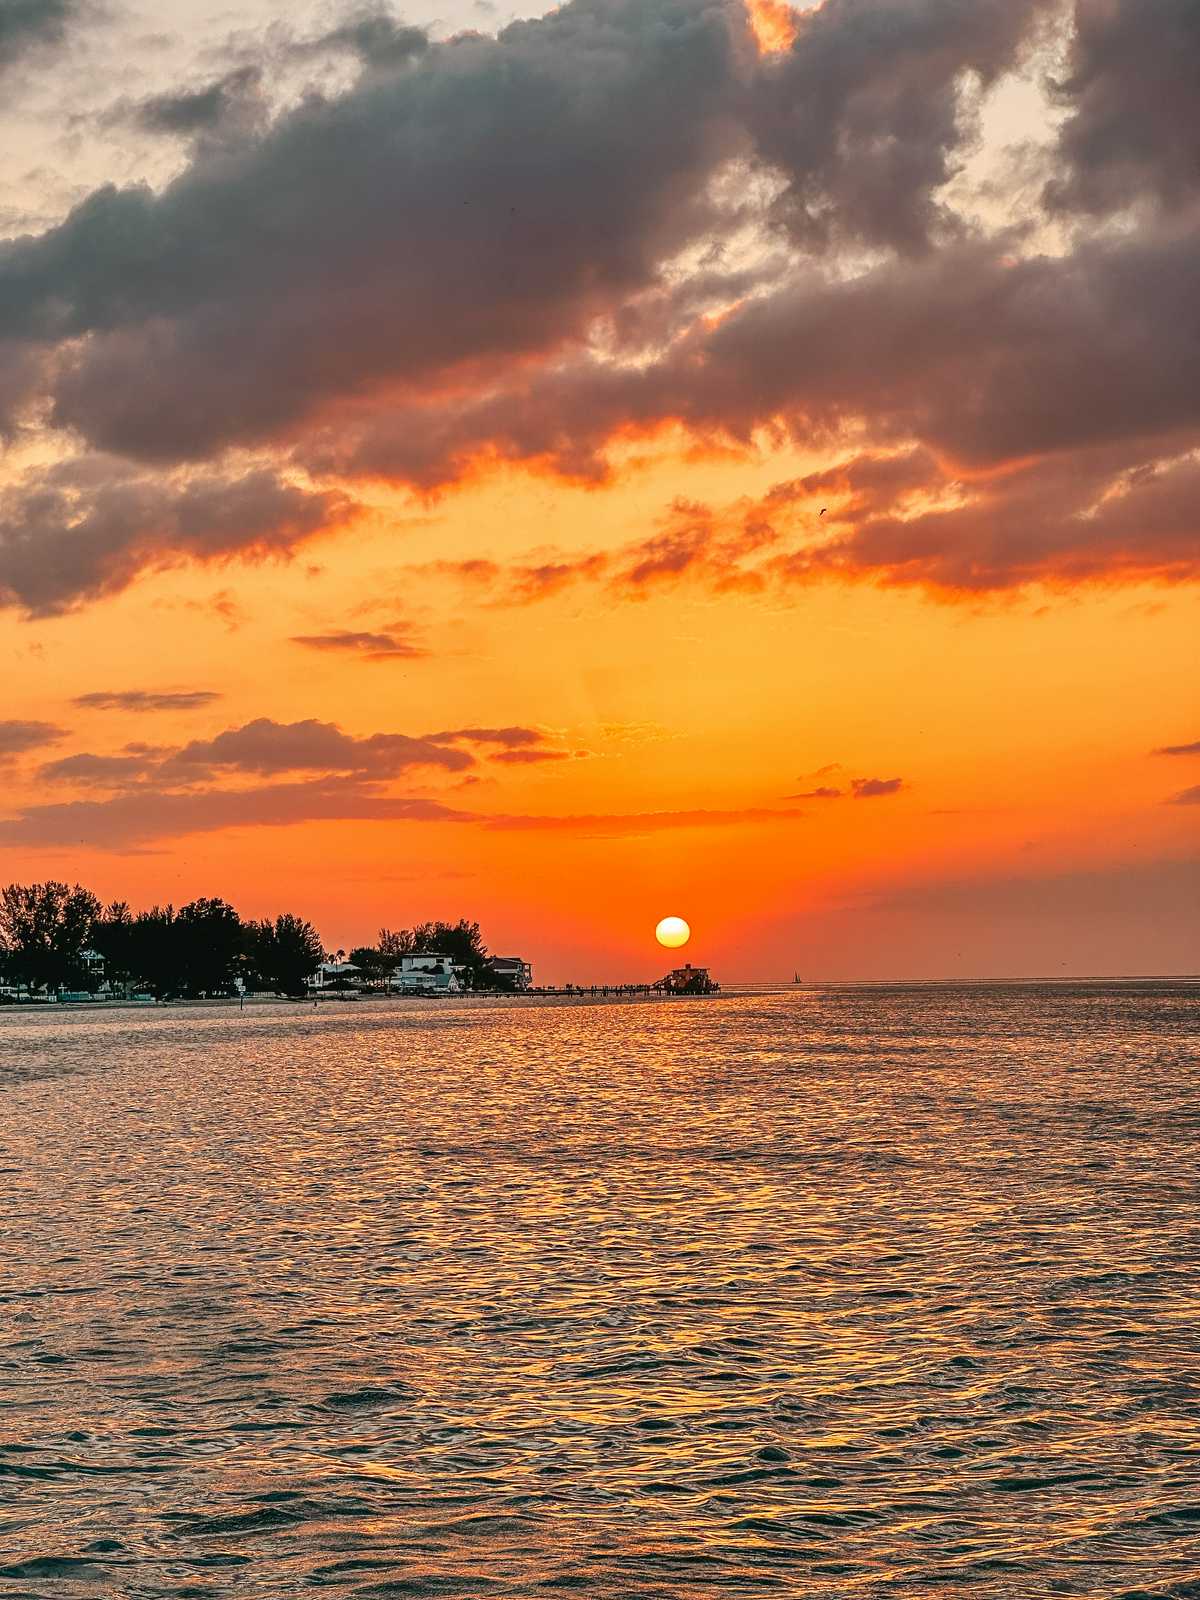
x=370, y=646
x=17, y=737
x=146, y=699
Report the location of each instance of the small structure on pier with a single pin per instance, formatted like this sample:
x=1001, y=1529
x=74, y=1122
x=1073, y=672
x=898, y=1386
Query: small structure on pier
x=688, y=980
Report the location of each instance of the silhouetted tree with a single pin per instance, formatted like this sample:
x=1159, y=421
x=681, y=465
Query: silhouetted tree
x=44, y=930
x=283, y=954
x=461, y=941
x=373, y=964
x=207, y=936
x=154, y=955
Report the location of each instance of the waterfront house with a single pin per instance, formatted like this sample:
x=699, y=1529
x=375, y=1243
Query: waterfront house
x=426, y=973
x=512, y=969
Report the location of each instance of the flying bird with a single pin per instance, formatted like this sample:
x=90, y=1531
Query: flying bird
x=822, y=511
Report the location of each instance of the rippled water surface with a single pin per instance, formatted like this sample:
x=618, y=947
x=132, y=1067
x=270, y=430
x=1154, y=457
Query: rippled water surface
x=880, y=1292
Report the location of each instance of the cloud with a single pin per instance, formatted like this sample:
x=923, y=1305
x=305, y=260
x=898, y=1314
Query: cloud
x=817, y=794
x=425, y=219
x=87, y=527
x=904, y=518
x=266, y=747
x=518, y=758
x=100, y=772
x=146, y=699
x=374, y=36
x=134, y=819
x=17, y=737
x=867, y=116
x=875, y=788
x=1130, y=96
x=140, y=817
x=233, y=101
x=1179, y=749
x=371, y=646
x=27, y=26
x=513, y=738
x=1186, y=797
x=622, y=218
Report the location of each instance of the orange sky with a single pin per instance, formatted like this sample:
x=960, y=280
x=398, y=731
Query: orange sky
x=975, y=651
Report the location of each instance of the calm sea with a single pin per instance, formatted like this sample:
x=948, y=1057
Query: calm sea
x=844, y=1292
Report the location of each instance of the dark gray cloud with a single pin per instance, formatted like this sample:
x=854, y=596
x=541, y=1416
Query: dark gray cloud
x=146, y=699
x=866, y=116
x=31, y=25
x=482, y=204
x=371, y=646
x=232, y=101
x=87, y=527
x=266, y=747
x=1131, y=129
x=875, y=788
x=413, y=276
x=373, y=35
x=16, y=737
x=1192, y=749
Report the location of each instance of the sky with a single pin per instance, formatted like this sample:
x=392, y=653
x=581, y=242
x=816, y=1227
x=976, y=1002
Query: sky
x=568, y=467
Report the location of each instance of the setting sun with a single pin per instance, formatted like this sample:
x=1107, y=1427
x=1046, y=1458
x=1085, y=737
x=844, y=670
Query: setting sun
x=673, y=932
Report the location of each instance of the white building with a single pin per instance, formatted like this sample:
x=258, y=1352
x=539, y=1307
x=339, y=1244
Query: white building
x=426, y=973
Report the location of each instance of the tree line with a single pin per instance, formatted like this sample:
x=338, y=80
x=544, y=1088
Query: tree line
x=48, y=932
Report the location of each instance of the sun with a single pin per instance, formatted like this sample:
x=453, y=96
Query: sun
x=673, y=932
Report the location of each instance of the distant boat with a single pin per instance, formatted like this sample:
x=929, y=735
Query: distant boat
x=796, y=978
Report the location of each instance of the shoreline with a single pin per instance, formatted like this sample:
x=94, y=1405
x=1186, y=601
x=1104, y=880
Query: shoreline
x=590, y=996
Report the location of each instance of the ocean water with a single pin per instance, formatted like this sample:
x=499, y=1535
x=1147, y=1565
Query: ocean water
x=845, y=1292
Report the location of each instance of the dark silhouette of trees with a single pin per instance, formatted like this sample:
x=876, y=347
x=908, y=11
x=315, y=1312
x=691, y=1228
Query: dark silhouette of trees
x=208, y=938
x=202, y=949
x=282, y=955
x=154, y=958
x=44, y=930
x=374, y=963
